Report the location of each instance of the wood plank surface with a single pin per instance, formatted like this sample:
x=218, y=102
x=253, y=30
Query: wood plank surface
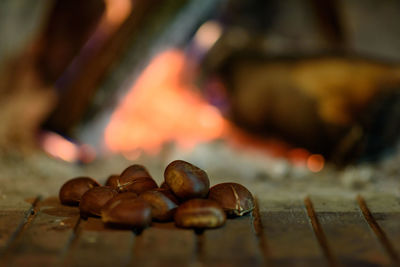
x=13, y=215
x=348, y=234
x=10, y=221
x=288, y=232
x=385, y=209
x=280, y=234
x=96, y=245
x=234, y=244
x=46, y=237
x=166, y=245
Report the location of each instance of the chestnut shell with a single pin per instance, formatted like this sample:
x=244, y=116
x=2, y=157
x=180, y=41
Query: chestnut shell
x=234, y=198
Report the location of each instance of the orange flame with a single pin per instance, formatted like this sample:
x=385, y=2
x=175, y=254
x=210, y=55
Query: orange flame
x=298, y=156
x=315, y=162
x=117, y=11
x=59, y=147
x=162, y=107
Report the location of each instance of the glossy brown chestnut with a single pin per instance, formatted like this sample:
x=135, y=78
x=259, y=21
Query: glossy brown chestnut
x=135, y=171
x=162, y=207
x=124, y=195
x=235, y=199
x=71, y=192
x=140, y=185
x=135, y=178
x=127, y=213
x=112, y=180
x=186, y=180
x=199, y=213
x=164, y=185
x=94, y=199
x=169, y=194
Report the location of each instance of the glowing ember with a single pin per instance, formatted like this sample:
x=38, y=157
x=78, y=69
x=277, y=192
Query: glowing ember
x=162, y=107
x=298, y=156
x=59, y=147
x=208, y=34
x=117, y=11
x=315, y=162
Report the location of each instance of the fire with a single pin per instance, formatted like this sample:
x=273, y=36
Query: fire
x=208, y=34
x=298, y=156
x=59, y=147
x=162, y=107
x=117, y=11
x=315, y=162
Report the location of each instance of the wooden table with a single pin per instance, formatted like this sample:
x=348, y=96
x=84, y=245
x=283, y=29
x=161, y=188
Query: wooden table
x=317, y=230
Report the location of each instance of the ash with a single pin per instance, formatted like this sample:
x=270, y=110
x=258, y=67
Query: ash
x=39, y=174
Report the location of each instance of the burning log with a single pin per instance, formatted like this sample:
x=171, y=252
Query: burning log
x=316, y=102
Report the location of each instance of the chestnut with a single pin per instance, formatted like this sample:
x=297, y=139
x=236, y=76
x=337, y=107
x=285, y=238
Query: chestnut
x=135, y=171
x=94, y=199
x=199, y=213
x=168, y=193
x=164, y=185
x=124, y=195
x=186, y=180
x=127, y=213
x=112, y=180
x=162, y=206
x=71, y=192
x=140, y=185
x=235, y=199
x=135, y=178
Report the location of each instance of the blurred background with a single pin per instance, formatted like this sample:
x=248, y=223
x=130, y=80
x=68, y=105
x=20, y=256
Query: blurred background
x=256, y=89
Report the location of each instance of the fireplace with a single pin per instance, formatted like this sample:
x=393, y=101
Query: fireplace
x=296, y=100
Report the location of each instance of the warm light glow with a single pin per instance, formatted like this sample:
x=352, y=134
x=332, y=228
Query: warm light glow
x=162, y=107
x=87, y=153
x=298, y=156
x=242, y=140
x=208, y=34
x=59, y=147
x=131, y=155
x=117, y=11
x=315, y=162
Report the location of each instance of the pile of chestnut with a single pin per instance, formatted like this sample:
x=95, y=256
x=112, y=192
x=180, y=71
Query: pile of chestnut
x=133, y=199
